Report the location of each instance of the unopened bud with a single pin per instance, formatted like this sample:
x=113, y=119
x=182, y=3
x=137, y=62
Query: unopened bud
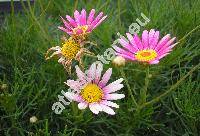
x=33, y=119
x=119, y=61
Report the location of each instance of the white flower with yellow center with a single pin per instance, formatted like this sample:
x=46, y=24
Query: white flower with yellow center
x=91, y=90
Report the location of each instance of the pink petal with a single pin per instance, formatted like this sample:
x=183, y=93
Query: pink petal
x=72, y=96
x=127, y=45
x=98, y=72
x=137, y=42
x=114, y=96
x=77, y=17
x=163, y=55
x=130, y=38
x=66, y=24
x=71, y=21
x=126, y=56
x=107, y=109
x=162, y=42
x=91, y=72
x=151, y=36
x=105, y=77
x=114, y=86
x=166, y=46
x=83, y=17
x=91, y=16
x=154, y=62
x=145, y=39
x=97, y=19
x=75, y=85
x=64, y=29
x=99, y=22
x=154, y=40
x=81, y=76
x=122, y=51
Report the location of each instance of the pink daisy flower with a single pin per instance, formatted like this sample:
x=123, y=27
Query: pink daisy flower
x=150, y=49
x=90, y=90
x=81, y=24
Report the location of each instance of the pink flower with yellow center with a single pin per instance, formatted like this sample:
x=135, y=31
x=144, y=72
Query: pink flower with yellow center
x=81, y=24
x=149, y=49
x=91, y=90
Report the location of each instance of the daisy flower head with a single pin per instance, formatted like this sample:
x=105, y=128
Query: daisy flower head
x=70, y=50
x=81, y=25
x=149, y=49
x=91, y=90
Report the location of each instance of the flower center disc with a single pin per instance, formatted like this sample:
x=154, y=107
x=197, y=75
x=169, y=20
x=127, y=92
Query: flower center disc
x=70, y=49
x=92, y=93
x=146, y=55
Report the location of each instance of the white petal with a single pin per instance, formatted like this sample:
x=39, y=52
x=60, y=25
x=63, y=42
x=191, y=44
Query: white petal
x=114, y=96
x=107, y=109
x=114, y=86
x=93, y=108
x=70, y=95
x=82, y=105
x=109, y=103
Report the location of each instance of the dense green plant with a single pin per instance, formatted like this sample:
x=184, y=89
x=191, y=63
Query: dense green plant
x=29, y=85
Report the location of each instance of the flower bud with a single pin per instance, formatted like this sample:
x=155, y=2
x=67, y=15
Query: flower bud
x=119, y=61
x=33, y=119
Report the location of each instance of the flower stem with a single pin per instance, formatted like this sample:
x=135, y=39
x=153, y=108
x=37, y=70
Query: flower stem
x=143, y=92
x=128, y=86
x=171, y=88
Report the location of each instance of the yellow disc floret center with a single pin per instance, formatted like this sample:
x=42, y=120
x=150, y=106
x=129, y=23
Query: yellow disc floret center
x=70, y=49
x=91, y=93
x=146, y=55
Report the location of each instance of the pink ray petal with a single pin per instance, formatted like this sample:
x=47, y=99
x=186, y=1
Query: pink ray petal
x=98, y=72
x=126, y=56
x=77, y=17
x=154, y=62
x=137, y=42
x=127, y=45
x=83, y=17
x=71, y=21
x=91, y=72
x=162, y=42
x=130, y=38
x=91, y=17
x=114, y=86
x=105, y=78
x=154, y=40
x=99, y=22
x=145, y=39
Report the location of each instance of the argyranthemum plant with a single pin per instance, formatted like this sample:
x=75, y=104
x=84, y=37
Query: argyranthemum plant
x=91, y=90
x=70, y=50
x=81, y=24
x=148, y=49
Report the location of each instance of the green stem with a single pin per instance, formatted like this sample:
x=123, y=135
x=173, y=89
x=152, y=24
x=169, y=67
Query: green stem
x=143, y=93
x=128, y=86
x=173, y=87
